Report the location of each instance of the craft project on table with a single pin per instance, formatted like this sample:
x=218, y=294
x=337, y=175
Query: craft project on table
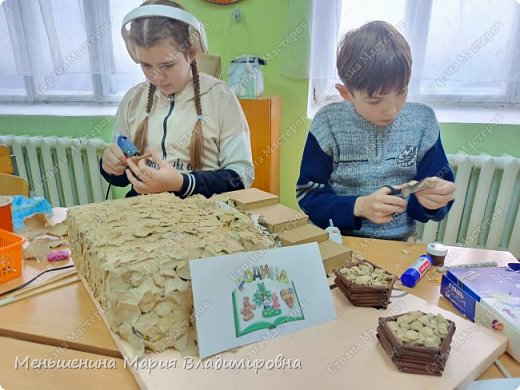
x=134, y=261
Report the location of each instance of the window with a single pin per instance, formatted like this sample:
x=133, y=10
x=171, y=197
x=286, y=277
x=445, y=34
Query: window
x=463, y=52
x=65, y=50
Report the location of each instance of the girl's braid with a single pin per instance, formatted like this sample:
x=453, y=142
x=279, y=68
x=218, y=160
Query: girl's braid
x=197, y=138
x=141, y=135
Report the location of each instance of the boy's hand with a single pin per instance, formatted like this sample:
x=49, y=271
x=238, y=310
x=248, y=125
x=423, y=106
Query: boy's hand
x=379, y=207
x=114, y=161
x=438, y=196
x=148, y=180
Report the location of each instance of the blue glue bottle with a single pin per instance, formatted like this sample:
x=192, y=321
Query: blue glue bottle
x=412, y=275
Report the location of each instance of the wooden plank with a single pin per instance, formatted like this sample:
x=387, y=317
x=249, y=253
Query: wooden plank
x=252, y=198
x=302, y=235
x=333, y=255
x=278, y=217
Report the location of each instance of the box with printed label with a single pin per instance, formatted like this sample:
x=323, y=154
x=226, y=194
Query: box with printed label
x=459, y=298
x=489, y=296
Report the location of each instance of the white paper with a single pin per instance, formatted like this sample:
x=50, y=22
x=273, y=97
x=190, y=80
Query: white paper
x=217, y=281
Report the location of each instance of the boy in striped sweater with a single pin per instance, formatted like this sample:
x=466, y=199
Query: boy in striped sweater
x=373, y=139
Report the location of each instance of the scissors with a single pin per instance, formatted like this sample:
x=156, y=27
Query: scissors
x=412, y=186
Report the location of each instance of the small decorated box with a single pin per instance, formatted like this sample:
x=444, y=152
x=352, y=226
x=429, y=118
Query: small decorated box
x=365, y=284
x=417, y=342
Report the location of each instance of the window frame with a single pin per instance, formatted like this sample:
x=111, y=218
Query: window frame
x=101, y=56
x=417, y=15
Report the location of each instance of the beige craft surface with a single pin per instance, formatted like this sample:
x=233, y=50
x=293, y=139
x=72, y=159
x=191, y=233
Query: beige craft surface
x=55, y=378
x=321, y=349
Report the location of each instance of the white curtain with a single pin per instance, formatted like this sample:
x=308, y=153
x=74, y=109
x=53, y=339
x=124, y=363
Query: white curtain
x=64, y=48
x=326, y=15
x=463, y=51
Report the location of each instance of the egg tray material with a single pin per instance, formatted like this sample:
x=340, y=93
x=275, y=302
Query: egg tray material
x=366, y=296
x=414, y=359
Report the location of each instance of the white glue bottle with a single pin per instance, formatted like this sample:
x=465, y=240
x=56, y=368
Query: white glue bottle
x=334, y=233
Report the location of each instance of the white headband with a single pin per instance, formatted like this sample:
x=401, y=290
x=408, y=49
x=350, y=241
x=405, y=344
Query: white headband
x=196, y=28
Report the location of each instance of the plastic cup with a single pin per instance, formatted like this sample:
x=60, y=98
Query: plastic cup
x=6, y=216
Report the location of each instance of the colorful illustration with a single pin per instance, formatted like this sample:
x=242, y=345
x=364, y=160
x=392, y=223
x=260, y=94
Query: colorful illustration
x=497, y=325
x=287, y=296
x=256, y=300
x=247, y=310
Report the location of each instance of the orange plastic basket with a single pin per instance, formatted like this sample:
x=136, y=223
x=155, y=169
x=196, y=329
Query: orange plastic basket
x=10, y=255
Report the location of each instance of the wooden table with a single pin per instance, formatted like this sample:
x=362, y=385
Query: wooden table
x=66, y=319
x=397, y=256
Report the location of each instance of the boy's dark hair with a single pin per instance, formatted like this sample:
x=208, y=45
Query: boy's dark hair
x=374, y=58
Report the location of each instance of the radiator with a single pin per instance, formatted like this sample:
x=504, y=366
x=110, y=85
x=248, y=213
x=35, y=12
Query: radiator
x=65, y=171
x=485, y=213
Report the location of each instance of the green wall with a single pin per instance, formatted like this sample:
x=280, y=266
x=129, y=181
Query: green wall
x=262, y=28
x=476, y=138
x=61, y=126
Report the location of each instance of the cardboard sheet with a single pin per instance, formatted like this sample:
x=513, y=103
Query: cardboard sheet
x=252, y=198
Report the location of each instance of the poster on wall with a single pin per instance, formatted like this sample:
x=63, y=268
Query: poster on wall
x=253, y=295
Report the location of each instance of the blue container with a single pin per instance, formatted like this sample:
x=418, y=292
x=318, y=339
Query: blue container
x=412, y=275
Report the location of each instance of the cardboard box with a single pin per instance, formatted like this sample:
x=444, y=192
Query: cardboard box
x=503, y=317
x=210, y=64
x=278, y=217
x=252, y=198
x=488, y=296
x=302, y=235
x=333, y=254
x=459, y=298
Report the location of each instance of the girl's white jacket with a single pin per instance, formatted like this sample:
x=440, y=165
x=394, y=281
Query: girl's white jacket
x=170, y=124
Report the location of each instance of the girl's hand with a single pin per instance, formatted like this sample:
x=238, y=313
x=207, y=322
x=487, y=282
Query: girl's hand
x=148, y=180
x=379, y=207
x=114, y=161
x=437, y=196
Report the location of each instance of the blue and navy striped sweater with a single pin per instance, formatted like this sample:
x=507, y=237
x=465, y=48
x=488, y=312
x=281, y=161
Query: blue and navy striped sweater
x=346, y=156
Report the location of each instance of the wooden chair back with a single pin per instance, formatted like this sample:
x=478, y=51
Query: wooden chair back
x=13, y=185
x=6, y=162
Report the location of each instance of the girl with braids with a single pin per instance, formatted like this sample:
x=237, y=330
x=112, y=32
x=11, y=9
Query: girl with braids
x=190, y=122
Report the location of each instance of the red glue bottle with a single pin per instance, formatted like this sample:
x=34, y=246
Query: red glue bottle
x=412, y=275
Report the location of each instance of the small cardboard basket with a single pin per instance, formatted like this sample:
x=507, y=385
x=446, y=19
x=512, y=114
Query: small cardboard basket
x=414, y=359
x=367, y=296
x=10, y=255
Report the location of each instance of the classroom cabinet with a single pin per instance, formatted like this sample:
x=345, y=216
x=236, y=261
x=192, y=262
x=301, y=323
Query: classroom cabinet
x=263, y=117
